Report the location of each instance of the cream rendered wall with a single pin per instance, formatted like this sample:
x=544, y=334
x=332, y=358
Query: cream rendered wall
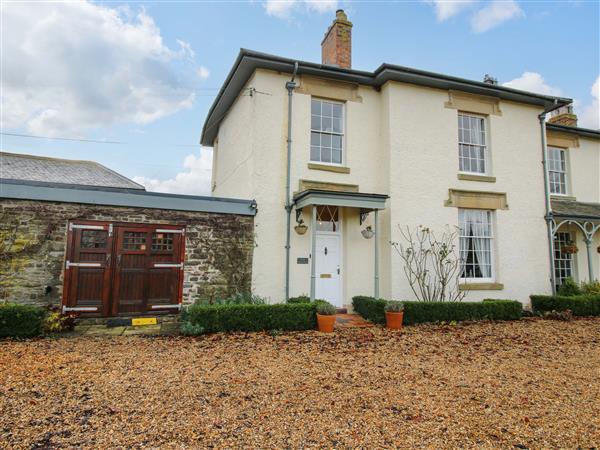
x=424, y=164
x=400, y=141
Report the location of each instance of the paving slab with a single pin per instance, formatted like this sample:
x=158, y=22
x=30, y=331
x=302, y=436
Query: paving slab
x=102, y=330
x=145, y=329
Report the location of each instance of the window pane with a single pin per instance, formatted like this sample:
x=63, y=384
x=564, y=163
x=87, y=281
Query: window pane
x=336, y=156
x=327, y=124
x=93, y=239
x=326, y=140
x=315, y=107
x=327, y=109
x=475, y=243
x=315, y=138
x=315, y=153
x=325, y=154
x=336, y=142
x=315, y=122
x=337, y=125
x=337, y=110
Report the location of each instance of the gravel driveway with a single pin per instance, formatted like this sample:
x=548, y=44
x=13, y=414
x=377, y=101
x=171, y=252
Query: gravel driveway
x=532, y=383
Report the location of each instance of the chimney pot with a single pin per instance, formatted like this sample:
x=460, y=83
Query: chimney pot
x=336, y=47
x=563, y=116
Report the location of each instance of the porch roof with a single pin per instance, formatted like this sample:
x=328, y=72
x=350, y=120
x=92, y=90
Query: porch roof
x=563, y=208
x=333, y=198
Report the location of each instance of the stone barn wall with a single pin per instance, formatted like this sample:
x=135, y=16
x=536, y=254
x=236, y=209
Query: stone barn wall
x=33, y=240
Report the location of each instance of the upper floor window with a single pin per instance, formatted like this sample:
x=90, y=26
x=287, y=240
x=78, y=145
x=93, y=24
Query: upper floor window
x=472, y=146
x=327, y=131
x=557, y=170
x=476, y=236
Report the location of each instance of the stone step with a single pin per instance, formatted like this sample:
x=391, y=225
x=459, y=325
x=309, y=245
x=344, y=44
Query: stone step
x=124, y=320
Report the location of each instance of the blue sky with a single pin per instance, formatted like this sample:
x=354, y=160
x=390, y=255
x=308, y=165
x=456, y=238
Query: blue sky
x=144, y=74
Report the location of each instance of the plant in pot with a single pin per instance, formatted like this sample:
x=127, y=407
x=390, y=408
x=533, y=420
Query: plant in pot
x=394, y=314
x=325, y=317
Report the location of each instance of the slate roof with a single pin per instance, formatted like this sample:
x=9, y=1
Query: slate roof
x=20, y=167
x=574, y=209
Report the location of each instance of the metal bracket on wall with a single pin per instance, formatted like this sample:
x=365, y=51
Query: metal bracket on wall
x=298, y=215
x=161, y=230
x=79, y=308
x=178, y=306
x=363, y=215
x=160, y=265
x=81, y=264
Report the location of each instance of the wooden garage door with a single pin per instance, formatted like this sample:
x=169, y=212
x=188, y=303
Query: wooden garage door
x=138, y=269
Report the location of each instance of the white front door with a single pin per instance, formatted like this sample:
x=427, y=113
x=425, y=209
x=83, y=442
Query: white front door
x=328, y=264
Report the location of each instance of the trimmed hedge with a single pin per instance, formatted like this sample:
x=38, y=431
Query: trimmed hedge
x=422, y=312
x=580, y=305
x=248, y=317
x=21, y=321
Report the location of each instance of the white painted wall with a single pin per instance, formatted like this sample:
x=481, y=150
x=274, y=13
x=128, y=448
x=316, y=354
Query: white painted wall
x=401, y=141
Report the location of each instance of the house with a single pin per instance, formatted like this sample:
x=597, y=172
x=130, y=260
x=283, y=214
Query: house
x=79, y=235
x=335, y=155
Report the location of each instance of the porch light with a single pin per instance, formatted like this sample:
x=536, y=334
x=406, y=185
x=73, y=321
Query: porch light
x=368, y=232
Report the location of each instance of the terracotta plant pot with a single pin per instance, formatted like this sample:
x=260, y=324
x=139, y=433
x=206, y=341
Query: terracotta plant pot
x=393, y=320
x=325, y=323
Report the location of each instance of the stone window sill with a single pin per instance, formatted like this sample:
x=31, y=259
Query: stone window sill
x=481, y=287
x=563, y=197
x=474, y=177
x=328, y=168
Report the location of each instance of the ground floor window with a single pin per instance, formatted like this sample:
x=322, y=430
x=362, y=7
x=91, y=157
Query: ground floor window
x=563, y=261
x=476, y=246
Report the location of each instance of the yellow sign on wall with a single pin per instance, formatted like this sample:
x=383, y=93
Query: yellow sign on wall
x=144, y=321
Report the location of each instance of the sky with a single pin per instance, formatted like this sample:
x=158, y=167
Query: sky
x=131, y=82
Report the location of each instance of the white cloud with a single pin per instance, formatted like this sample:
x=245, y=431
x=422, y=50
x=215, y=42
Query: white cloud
x=284, y=9
x=203, y=73
x=73, y=66
x=589, y=115
x=533, y=82
x=495, y=13
x=444, y=9
x=193, y=180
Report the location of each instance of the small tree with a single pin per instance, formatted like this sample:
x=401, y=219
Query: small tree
x=431, y=264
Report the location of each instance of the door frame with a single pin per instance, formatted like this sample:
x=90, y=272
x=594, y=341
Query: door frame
x=112, y=227
x=341, y=250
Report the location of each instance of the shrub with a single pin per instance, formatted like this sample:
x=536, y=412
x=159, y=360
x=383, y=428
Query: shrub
x=569, y=287
x=580, y=305
x=592, y=287
x=326, y=309
x=190, y=329
x=252, y=317
x=241, y=298
x=299, y=299
x=21, y=321
x=370, y=308
x=421, y=312
x=394, y=306
x=57, y=322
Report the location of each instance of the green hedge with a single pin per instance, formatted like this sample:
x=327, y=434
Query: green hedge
x=21, y=321
x=580, y=305
x=247, y=317
x=421, y=312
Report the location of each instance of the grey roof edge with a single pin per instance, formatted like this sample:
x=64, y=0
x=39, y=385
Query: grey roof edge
x=248, y=61
x=585, y=132
x=74, y=161
x=55, y=192
x=307, y=192
x=351, y=199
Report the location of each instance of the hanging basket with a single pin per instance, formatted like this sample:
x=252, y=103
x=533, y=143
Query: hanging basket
x=301, y=229
x=367, y=233
x=569, y=249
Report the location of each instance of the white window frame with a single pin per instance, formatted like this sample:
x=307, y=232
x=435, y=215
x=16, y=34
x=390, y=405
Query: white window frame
x=565, y=171
x=564, y=262
x=342, y=134
x=485, y=146
x=492, y=243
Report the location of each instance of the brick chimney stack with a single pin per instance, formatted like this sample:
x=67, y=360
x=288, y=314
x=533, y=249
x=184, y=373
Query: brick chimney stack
x=563, y=116
x=336, y=47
